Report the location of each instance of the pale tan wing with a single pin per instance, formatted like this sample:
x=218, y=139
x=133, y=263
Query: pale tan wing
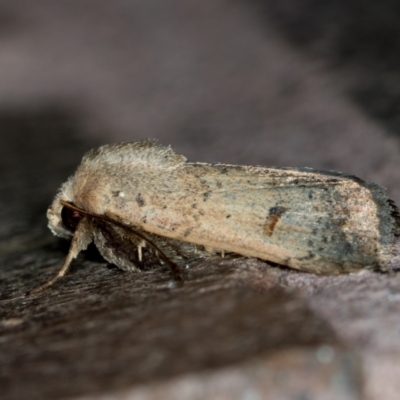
x=319, y=222
x=324, y=223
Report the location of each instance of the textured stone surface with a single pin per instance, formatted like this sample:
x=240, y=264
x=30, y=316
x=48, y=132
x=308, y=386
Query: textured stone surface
x=102, y=331
x=294, y=373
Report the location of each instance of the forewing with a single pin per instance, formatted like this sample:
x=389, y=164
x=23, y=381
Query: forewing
x=319, y=222
x=305, y=219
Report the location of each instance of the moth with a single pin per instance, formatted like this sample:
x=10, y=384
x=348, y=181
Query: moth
x=141, y=203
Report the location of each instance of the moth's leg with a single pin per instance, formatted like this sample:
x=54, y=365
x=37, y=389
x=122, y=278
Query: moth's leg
x=132, y=249
x=211, y=251
x=139, y=250
x=80, y=241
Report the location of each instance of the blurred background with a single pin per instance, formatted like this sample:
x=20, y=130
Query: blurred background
x=288, y=83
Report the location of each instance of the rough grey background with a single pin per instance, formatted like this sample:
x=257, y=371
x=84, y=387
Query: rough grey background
x=289, y=83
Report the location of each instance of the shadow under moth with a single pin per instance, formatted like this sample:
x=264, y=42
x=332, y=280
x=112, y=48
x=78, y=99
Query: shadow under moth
x=142, y=204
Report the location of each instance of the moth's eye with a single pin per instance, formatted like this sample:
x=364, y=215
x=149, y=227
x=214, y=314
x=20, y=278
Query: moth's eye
x=70, y=218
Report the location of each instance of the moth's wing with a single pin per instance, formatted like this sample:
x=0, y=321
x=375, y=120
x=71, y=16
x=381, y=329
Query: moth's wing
x=305, y=219
x=312, y=221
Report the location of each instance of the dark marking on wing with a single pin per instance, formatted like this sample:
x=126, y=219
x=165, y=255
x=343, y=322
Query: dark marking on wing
x=139, y=200
x=187, y=232
x=206, y=196
x=274, y=216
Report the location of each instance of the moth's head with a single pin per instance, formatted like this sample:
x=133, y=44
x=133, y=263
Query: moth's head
x=63, y=220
